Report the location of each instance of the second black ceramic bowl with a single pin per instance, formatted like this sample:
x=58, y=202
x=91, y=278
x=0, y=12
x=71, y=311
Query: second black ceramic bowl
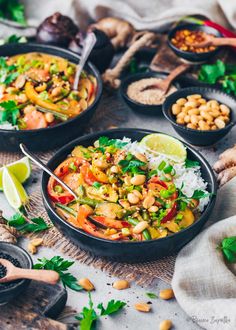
x=146, y=109
x=190, y=56
x=50, y=137
x=193, y=136
x=128, y=251
x=7, y=294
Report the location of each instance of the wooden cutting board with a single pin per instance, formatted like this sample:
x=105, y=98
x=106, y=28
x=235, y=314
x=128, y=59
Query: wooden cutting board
x=36, y=308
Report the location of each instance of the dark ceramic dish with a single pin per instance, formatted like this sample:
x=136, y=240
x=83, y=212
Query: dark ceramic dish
x=190, y=56
x=25, y=261
x=136, y=106
x=195, y=137
x=128, y=251
x=51, y=137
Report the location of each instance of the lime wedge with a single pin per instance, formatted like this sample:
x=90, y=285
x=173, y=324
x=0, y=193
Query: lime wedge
x=166, y=145
x=21, y=169
x=13, y=189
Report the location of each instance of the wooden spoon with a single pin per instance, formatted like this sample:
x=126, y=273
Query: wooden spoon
x=165, y=84
x=213, y=41
x=15, y=273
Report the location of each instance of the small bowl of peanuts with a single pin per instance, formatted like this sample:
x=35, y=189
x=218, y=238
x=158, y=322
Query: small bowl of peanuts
x=201, y=115
x=182, y=38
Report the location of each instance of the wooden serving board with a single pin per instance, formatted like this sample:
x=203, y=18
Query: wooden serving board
x=36, y=308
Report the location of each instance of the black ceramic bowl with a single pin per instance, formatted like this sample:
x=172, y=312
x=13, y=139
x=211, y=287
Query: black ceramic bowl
x=190, y=56
x=136, y=106
x=195, y=137
x=51, y=137
x=25, y=261
x=128, y=251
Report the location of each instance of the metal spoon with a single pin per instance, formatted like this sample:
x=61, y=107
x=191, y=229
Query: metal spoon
x=14, y=273
x=44, y=167
x=89, y=43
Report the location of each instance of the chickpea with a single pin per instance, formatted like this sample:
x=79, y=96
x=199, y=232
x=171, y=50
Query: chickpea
x=29, y=109
x=49, y=117
x=176, y=109
x=224, y=110
x=187, y=119
x=138, y=179
x=193, y=112
x=132, y=198
x=194, y=119
x=181, y=101
x=190, y=125
x=219, y=123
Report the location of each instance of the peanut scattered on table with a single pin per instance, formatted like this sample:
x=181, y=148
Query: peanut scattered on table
x=121, y=285
x=86, y=284
x=165, y=325
x=196, y=112
x=142, y=307
x=166, y=294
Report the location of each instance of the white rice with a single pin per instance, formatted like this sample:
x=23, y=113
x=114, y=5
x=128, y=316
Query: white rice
x=188, y=179
x=7, y=125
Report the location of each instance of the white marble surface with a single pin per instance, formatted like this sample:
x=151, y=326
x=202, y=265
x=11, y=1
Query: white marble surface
x=130, y=318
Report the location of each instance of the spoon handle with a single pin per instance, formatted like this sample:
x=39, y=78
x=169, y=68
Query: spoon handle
x=38, y=162
x=175, y=73
x=89, y=42
x=224, y=42
x=47, y=276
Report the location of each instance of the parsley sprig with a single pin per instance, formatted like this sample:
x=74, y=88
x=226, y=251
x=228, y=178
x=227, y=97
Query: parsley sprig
x=228, y=247
x=23, y=224
x=131, y=164
x=61, y=266
x=89, y=315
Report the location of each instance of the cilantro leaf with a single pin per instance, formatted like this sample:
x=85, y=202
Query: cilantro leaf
x=13, y=10
x=88, y=316
x=151, y=295
x=60, y=265
x=112, y=307
x=6, y=74
x=9, y=113
x=228, y=246
x=104, y=141
x=210, y=73
x=131, y=166
x=20, y=222
x=191, y=163
x=97, y=185
x=198, y=194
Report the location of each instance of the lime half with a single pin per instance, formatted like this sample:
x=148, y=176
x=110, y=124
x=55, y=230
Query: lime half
x=13, y=189
x=21, y=169
x=166, y=145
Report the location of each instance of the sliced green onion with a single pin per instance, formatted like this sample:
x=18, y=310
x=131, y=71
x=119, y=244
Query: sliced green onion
x=162, y=165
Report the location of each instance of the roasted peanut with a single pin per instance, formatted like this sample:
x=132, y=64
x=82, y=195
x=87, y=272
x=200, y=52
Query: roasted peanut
x=114, y=169
x=180, y=121
x=140, y=227
x=190, y=125
x=142, y=307
x=138, y=194
x=20, y=81
x=56, y=91
x=219, y=123
x=194, y=112
x=32, y=249
x=224, y=109
x=138, y=179
x=125, y=204
x=153, y=209
x=194, y=119
x=166, y=325
x=127, y=180
x=86, y=284
x=101, y=163
x=148, y=202
x=132, y=198
x=181, y=101
x=36, y=241
x=194, y=96
x=206, y=116
x=166, y=294
x=141, y=157
x=29, y=109
x=176, y=109
x=121, y=285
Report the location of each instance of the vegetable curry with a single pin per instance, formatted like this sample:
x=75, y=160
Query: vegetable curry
x=36, y=91
x=119, y=196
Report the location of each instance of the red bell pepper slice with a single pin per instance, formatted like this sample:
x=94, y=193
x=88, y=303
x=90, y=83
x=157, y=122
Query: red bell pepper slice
x=155, y=179
x=108, y=222
x=87, y=174
x=90, y=228
x=61, y=171
x=171, y=214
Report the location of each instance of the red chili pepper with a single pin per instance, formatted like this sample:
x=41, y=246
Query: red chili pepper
x=155, y=179
x=170, y=215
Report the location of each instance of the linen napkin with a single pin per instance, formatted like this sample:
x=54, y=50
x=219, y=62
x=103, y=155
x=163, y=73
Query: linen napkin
x=203, y=282
x=151, y=14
